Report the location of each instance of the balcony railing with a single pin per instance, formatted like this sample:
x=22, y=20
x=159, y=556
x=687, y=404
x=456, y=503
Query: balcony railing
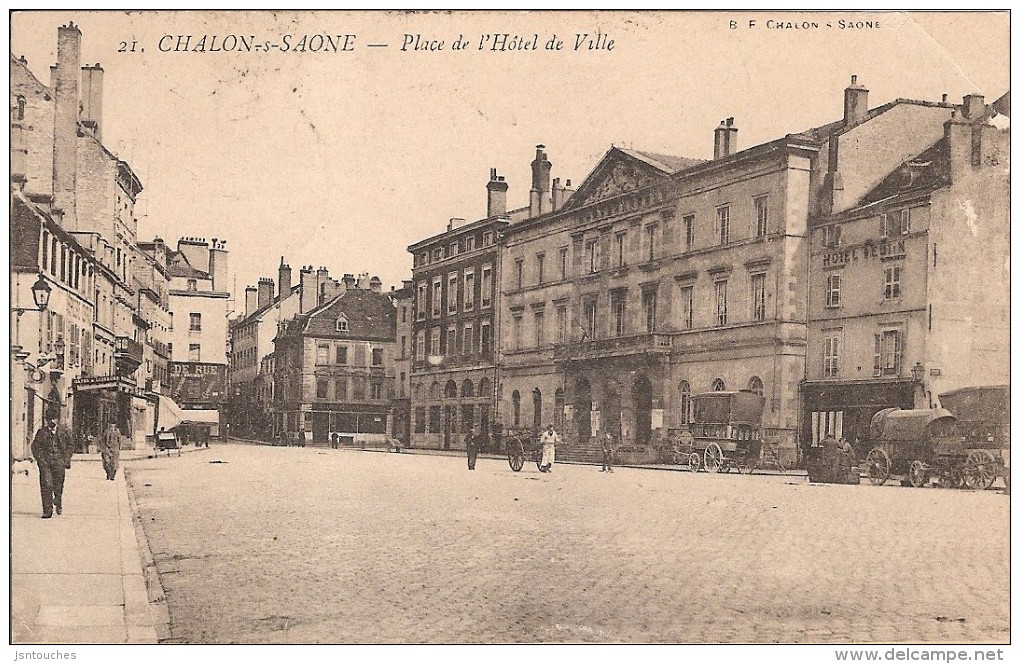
x=129, y=350
x=614, y=346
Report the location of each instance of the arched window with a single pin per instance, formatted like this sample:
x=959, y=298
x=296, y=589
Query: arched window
x=516, y=396
x=755, y=385
x=484, y=388
x=451, y=390
x=718, y=385
x=434, y=390
x=536, y=402
x=467, y=389
x=686, y=405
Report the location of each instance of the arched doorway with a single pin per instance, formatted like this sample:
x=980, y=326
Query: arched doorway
x=611, y=412
x=536, y=403
x=642, y=410
x=582, y=410
x=558, y=412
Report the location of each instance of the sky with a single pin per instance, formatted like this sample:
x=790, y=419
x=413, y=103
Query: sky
x=344, y=159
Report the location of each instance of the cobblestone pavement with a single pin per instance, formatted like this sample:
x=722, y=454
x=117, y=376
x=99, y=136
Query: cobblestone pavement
x=299, y=545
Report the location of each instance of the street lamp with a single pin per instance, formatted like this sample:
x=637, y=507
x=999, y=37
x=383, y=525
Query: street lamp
x=917, y=372
x=41, y=293
x=58, y=349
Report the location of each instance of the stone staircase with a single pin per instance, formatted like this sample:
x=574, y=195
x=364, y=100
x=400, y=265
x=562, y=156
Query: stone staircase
x=589, y=451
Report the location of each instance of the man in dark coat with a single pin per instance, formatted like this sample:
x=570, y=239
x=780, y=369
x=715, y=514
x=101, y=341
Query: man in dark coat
x=473, y=442
x=52, y=454
x=109, y=447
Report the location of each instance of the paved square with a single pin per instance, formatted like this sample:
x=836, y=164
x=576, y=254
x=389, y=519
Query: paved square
x=300, y=545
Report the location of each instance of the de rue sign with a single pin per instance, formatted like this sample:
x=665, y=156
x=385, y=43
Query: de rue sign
x=870, y=249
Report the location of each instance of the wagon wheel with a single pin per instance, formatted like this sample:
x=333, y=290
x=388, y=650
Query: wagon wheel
x=918, y=473
x=714, y=459
x=694, y=462
x=878, y=466
x=979, y=471
x=515, y=454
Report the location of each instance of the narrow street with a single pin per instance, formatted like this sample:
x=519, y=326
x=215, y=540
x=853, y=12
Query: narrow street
x=298, y=545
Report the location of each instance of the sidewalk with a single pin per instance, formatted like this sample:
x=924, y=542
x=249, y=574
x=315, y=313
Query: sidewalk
x=77, y=578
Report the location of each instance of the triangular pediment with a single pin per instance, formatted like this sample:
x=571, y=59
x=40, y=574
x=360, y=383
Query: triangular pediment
x=621, y=171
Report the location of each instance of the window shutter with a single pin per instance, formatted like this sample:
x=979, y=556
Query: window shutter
x=878, y=355
x=835, y=356
x=897, y=351
x=905, y=221
x=884, y=225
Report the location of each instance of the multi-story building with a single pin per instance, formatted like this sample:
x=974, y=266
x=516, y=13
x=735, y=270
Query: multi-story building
x=403, y=301
x=335, y=370
x=909, y=278
x=455, y=276
x=61, y=166
x=198, y=297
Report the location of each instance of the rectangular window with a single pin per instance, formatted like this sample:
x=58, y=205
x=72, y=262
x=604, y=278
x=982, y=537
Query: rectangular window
x=358, y=383
x=830, y=359
x=469, y=290
x=649, y=301
x=486, y=286
x=831, y=236
x=519, y=271
x=591, y=313
x=194, y=352
x=434, y=343
x=895, y=224
x=720, y=302
x=377, y=391
x=341, y=389
x=419, y=419
x=758, y=297
x=564, y=267
x=722, y=224
x=437, y=254
x=621, y=249
x=452, y=250
x=322, y=354
x=321, y=388
x=468, y=339
x=195, y=322
x=687, y=307
x=422, y=294
x=888, y=351
x=593, y=256
x=435, y=413
x=892, y=282
x=540, y=267
x=539, y=328
x=832, y=287
x=451, y=293
x=419, y=350
x=451, y=341
x=403, y=345
x=403, y=379
x=561, y=324
x=485, y=338
x=192, y=285
x=486, y=238
x=469, y=243
x=618, y=307
x=518, y=332
x=341, y=355
x=761, y=216
x=359, y=355
x=377, y=357
x=650, y=241
x=437, y=296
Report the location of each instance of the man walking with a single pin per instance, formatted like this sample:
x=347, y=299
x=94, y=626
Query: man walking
x=473, y=442
x=548, y=439
x=607, y=452
x=53, y=456
x=110, y=450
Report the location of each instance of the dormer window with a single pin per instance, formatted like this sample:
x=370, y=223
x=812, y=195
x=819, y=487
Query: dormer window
x=342, y=325
x=19, y=111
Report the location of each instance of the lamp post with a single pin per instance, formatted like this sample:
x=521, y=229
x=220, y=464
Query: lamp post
x=917, y=372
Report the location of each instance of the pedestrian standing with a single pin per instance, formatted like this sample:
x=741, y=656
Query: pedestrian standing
x=53, y=456
x=110, y=450
x=607, y=453
x=548, y=440
x=473, y=442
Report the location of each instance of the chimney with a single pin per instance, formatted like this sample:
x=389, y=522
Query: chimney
x=497, y=194
x=363, y=281
x=455, y=222
x=218, y=264
x=65, y=81
x=855, y=102
x=284, y=275
x=973, y=106
x=349, y=282
x=309, y=294
x=964, y=142
x=321, y=281
x=251, y=300
x=92, y=99
x=266, y=289
x=541, y=169
x=557, y=194
x=725, y=139
x=375, y=284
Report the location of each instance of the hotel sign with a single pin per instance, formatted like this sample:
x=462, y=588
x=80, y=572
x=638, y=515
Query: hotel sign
x=868, y=250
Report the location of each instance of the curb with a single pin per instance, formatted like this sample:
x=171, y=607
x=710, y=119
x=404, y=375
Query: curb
x=158, y=608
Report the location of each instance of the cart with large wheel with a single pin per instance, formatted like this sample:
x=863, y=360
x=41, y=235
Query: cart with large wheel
x=521, y=446
x=727, y=431
x=924, y=444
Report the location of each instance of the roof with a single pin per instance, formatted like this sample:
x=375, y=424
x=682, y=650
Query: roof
x=896, y=424
x=664, y=162
x=927, y=171
x=370, y=316
x=177, y=265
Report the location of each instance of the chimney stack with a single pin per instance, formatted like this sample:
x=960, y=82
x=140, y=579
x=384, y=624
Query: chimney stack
x=218, y=264
x=855, y=102
x=349, y=282
x=92, y=99
x=375, y=284
x=497, y=194
x=541, y=170
x=455, y=222
x=265, y=290
x=725, y=139
x=973, y=106
x=251, y=300
x=284, y=275
x=65, y=82
x=309, y=296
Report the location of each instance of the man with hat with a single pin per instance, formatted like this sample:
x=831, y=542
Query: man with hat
x=52, y=454
x=548, y=439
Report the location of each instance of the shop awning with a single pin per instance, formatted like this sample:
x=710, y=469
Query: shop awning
x=171, y=414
